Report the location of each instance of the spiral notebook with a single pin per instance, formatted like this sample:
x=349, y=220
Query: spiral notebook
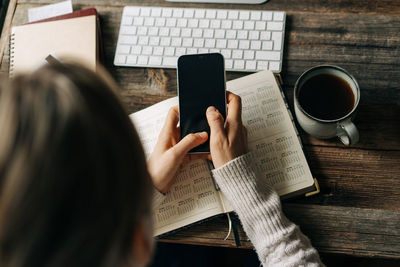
x=74, y=37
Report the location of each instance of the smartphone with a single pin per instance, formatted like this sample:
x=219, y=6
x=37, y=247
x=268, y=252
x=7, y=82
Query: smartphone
x=201, y=83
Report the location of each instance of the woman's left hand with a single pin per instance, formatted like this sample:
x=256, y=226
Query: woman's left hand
x=170, y=153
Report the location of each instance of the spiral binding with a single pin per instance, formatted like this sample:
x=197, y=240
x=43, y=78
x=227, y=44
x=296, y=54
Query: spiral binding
x=12, y=43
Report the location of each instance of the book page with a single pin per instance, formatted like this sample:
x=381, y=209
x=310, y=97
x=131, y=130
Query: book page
x=193, y=196
x=271, y=134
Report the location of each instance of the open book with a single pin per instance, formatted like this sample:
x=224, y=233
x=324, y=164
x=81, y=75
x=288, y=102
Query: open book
x=272, y=138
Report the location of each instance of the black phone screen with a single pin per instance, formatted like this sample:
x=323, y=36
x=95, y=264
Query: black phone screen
x=201, y=83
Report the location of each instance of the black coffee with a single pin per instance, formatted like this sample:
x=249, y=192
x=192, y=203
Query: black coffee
x=326, y=97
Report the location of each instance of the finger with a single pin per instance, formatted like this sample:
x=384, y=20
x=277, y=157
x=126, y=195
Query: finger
x=216, y=122
x=172, y=119
x=234, y=108
x=188, y=142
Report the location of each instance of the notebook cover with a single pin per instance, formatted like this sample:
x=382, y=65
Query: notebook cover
x=82, y=13
x=74, y=38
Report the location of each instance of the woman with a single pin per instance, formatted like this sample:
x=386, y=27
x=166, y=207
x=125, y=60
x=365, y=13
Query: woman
x=75, y=190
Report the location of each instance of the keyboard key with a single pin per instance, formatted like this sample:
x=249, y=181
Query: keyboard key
x=131, y=59
x=222, y=14
x=208, y=33
x=177, y=13
x=219, y=34
x=221, y=43
x=193, y=23
x=254, y=35
x=143, y=40
x=153, y=31
x=199, y=13
x=145, y=12
x=191, y=50
x=229, y=63
x=186, y=32
x=181, y=23
x=147, y=50
x=203, y=23
x=277, y=38
x=274, y=26
x=237, y=25
x=175, y=32
x=251, y=65
x=170, y=22
x=160, y=22
x=120, y=59
x=164, y=32
x=226, y=24
x=169, y=51
x=211, y=13
x=127, y=21
x=226, y=53
x=209, y=43
x=142, y=60
x=188, y=13
x=233, y=14
x=215, y=24
x=155, y=61
x=231, y=34
x=262, y=65
x=198, y=43
x=237, y=54
x=158, y=51
x=128, y=30
x=266, y=15
x=128, y=39
x=180, y=51
x=138, y=21
x=165, y=41
x=249, y=25
x=232, y=44
x=278, y=16
x=267, y=45
x=267, y=55
x=255, y=45
x=187, y=42
x=132, y=11
x=260, y=25
x=149, y=21
x=154, y=41
x=203, y=50
x=248, y=54
x=274, y=65
x=239, y=64
x=242, y=35
x=123, y=49
x=167, y=12
x=156, y=12
x=170, y=61
x=142, y=31
x=136, y=49
x=255, y=15
x=244, y=15
x=244, y=44
x=265, y=36
x=197, y=33
x=176, y=42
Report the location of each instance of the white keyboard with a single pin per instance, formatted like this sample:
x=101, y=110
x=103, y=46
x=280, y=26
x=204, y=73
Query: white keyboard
x=156, y=36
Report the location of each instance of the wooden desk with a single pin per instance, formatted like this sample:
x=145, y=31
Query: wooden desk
x=358, y=209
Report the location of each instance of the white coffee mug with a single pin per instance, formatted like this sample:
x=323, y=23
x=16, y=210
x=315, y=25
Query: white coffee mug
x=342, y=127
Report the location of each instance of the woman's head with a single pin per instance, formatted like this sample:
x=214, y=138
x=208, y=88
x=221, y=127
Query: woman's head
x=73, y=178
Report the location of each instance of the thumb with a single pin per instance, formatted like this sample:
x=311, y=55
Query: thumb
x=188, y=142
x=216, y=122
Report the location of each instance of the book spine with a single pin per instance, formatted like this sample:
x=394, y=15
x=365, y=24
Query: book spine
x=12, y=43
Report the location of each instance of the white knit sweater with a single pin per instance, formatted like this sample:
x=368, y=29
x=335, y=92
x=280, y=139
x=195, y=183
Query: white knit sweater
x=278, y=241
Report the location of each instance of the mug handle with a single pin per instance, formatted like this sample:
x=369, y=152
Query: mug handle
x=347, y=132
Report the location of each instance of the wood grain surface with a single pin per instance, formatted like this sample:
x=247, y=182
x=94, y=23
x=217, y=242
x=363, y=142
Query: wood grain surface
x=358, y=209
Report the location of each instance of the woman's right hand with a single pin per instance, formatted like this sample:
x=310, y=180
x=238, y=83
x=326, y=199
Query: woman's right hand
x=228, y=140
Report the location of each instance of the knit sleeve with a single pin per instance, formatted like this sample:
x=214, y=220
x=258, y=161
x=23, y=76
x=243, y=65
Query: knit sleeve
x=278, y=241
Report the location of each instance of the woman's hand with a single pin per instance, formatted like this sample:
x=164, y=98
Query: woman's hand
x=227, y=140
x=170, y=153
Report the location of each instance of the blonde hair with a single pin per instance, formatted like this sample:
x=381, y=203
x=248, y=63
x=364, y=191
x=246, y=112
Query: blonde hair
x=73, y=178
